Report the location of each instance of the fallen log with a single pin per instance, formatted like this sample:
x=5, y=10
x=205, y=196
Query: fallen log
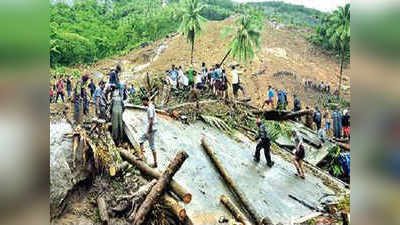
x=191, y=103
x=139, y=196
x=294, y=115
x=228, y=180
x=178, y=189
x=280, y=115
x=159, y=187
x=102, y=206
x=131, y=106
x=174, y=207
x=234, y=210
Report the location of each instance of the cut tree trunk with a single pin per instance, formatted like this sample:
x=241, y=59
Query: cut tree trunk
x=180, y=191
x=191, y=103
x=191, y=58
x=139, y=196
x=160, y=186
x=239, y=216
x=131, y=106
x=101, y=204
x=228, y=180
x=174, y=207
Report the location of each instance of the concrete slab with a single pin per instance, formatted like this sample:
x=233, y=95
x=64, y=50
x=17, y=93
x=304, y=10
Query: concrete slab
x=267, y=188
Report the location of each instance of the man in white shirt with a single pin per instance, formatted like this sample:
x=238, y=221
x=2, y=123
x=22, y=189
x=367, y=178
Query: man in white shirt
x=182, y=79
x=236, y=82
x=151, y=129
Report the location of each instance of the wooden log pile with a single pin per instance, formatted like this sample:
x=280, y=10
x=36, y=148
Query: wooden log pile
x=175, y=187
x=159, y=188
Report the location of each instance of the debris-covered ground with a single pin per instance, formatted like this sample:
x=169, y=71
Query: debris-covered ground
x=76, y=189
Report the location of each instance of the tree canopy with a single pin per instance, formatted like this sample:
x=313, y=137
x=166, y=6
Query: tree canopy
x=245, y=39
x=191, y=20
x=85, y=31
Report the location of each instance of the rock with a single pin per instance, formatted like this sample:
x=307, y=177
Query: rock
x=62, y=178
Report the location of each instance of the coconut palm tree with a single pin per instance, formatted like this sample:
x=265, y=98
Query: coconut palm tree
x=245, y=39
x=191, y=20
x=339, y=34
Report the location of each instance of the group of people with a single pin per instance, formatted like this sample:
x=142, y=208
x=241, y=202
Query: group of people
x=79, y=94
x=214, y=78
x=336, y=123
x=321, y=86
x=108, y=98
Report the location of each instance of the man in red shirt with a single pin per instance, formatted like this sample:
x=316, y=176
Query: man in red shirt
x=60, y=89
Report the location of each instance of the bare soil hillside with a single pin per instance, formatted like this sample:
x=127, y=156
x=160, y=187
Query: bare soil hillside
x=283, y=49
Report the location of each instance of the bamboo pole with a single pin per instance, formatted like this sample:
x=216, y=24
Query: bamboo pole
x=179, y=190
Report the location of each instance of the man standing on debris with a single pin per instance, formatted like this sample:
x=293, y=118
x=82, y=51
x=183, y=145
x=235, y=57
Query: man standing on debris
x=100, y=101
x=296, y=104
x=117, y=107
x=92, y=87
x=151, y=129
x=264, y=143
x=317, y=118
x=299, y=154
x=309, y=118
x=69, y=87
x=337, y=123
x=270, y=96
x=85, y=101
x=60, y=90
x=346, y=123
x=236, y=83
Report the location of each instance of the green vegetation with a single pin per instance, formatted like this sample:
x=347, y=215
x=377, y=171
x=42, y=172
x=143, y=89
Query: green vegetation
x=297, y=15
x=191, y=21
x=334, y=34
x=334, y=166
x=217, y=9
x=246, y=37
x=89, y=30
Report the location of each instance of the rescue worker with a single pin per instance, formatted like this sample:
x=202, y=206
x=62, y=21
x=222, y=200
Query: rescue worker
x=264, y=143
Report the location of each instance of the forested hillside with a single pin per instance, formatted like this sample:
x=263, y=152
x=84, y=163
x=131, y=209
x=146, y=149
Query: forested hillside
x=85, y=31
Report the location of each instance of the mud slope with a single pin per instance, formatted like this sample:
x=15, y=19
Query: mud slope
x=283, y=49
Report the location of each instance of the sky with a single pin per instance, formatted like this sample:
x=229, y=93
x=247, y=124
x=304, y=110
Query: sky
x=322, y=5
